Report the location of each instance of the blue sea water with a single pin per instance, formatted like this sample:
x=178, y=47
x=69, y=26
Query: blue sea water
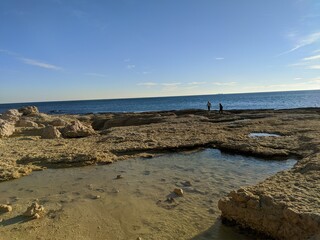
x=271, y=100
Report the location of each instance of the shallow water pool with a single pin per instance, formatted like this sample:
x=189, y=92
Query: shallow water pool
x=91, y=203
x=263, y=135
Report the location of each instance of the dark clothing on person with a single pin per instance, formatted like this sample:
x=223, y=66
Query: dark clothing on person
x=209, y=106
x=220, y=108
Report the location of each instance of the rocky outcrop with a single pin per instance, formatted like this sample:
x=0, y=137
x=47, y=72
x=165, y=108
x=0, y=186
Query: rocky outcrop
x=6, y=128
x=5, y=208
x=58, y=122
x=281, y=206
x=285, y=206
x=26, y=123
x=50, y=132
x=29, y=110
x=133, y=120
x=11, y=115
x=34, y=211
x=77, y=130
x=59, y=160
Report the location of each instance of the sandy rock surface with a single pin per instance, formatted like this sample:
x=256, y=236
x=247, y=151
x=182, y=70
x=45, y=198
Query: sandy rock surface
x=284, y=206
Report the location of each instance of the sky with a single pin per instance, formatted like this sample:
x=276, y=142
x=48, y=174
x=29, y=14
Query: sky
x=102, y=49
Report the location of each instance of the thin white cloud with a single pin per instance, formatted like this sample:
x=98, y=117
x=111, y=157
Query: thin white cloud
x=299, y=64
x=311, y=84
x=169, y=87
x=305, y=41
x=127, y=60
x=219, y=58
x=315, y=80
x=145, y=72
x=196, y=83
x=170, y=84
x=39, y=64
x=8, y=52
x=96, y=75
x=298, y=78
x=30, y=61
x=148, y=84
x=315, y=57
x=225, y=83
x=313, y=67
x=131, y=66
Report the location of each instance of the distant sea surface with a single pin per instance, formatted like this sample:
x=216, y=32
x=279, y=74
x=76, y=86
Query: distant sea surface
x=271, y=100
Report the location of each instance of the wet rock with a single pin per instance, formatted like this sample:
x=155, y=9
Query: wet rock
x=50, y=132
x=77, y=130
x=178, y=191
x=34, y=211
x=29, y=110
x=5, y=208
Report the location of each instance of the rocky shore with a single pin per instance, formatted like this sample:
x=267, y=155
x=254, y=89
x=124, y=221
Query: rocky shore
x=284, y=206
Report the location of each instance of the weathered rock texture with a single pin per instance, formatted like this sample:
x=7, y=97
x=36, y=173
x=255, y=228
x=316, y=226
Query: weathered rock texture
x=50, y=132
x=29, y=110
x=77, y=130
x=11, y=115
x=26, y=123
x=285, y=206
x=6, y=128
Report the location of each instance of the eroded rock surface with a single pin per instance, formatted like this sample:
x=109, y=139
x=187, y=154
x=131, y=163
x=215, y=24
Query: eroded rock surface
x=77, y=130
x=284, y=206
x=50, y=132
x=29, y=110
x=11, y=115
x=6, y=128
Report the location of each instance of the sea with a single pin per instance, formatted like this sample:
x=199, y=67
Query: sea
x=266, y=100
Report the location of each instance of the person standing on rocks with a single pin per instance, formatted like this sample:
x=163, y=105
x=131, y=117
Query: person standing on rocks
x=220, y=108
x=209, y=106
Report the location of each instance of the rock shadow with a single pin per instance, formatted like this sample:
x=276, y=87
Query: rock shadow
x=220, y=231
x=15, y=220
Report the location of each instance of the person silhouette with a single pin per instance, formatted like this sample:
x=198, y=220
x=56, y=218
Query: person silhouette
x=220, y=108
x=209, y=106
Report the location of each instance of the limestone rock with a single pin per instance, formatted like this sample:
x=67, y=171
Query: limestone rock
x=58, y=122
x=77, y=130
x=5, y=208
x=178, y=191
x=132, y=120
x=34, y=211
x=26, y=123
x=6, y=128
x=29, y=110
x=50, y=132
x=11, y=115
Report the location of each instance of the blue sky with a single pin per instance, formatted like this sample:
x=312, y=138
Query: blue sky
x=99, y=49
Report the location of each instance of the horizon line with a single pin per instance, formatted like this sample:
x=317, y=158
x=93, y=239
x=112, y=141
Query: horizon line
x=124, y=98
